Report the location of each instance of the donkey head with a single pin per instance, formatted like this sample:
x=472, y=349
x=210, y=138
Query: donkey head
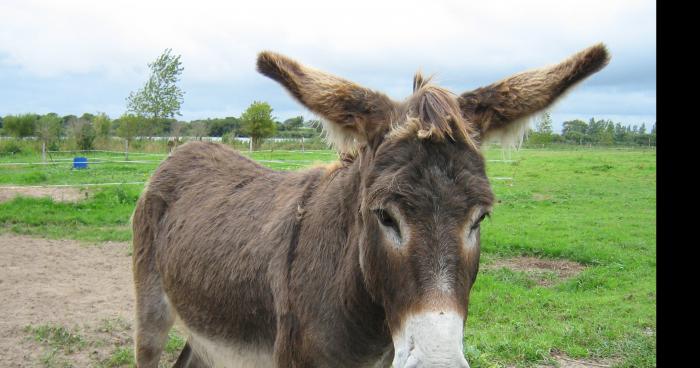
x=424, y=189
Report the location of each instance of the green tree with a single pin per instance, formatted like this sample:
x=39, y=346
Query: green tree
x=199, y=129
x=643, y=129
x=82, y=133
x=20, y=126
x=48, y=130
x=65, y=121
x=103, y=126
x=219, y=127
x=543, y=130
x=257, y=122
x=127, y=129
x=294, y=123
x=544, y=125
x=87, y=116
x=574, y=131
x=607, y=135
x=160, y=97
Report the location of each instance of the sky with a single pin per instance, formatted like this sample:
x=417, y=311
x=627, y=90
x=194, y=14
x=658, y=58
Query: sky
x=75, y=56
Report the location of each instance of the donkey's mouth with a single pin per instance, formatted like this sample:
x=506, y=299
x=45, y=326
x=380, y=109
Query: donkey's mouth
x=430, y=339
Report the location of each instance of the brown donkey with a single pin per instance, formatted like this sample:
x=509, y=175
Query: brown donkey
x=364, y=263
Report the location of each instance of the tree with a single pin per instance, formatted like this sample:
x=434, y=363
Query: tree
x=127, y=129
x=544, y=125
x=643, y=129
x=103, y=126
x=87, y=116
x=607, y=136
x=574, y=130
x=65, y=121
x=543, y=130
x=294, y=123
x=160, y=97
x=20, y=126
x=257, y=122
x=82, y=132
x=199, y=129
x=219, y=127
x=48, y=130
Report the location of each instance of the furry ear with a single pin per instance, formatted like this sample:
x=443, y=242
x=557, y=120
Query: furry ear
x=502, y=110
x=354, y=115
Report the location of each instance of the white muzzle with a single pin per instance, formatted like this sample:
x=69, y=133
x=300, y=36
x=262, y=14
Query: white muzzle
x=430, y=339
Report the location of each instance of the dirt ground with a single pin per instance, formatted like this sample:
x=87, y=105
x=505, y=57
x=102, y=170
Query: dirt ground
x=62, y=283
x=545, y=272
x=88, y=289
x=60, y=194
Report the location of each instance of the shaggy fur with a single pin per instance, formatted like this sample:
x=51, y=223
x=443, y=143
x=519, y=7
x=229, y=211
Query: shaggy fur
x=494, y=108
x=298, y=265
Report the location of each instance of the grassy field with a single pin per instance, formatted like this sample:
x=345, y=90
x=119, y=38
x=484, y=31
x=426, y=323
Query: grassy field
x=596, y=207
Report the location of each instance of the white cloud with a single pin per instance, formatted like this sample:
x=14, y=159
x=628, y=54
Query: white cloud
x=219, y=39
x=379, y=43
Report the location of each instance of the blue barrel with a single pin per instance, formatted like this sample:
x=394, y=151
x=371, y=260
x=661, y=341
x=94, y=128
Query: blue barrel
x=80, y=163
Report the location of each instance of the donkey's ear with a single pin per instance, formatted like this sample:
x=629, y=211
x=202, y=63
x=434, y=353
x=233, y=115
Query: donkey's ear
x=502, y=109
x=354, y=114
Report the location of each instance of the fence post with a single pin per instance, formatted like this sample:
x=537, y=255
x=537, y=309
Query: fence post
x=302, y=143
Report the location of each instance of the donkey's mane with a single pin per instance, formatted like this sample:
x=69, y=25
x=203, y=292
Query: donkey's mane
x=432, y=112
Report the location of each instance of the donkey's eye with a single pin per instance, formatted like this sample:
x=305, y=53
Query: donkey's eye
x=386, y=219
x=390, y=226
x=478, y=222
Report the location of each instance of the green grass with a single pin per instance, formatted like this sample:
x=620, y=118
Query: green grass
x=593, y=206
x=107, y=345
x=597, y=207
x=103, y=217
x=57, y=337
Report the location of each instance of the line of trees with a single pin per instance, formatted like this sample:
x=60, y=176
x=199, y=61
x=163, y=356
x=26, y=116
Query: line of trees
x=152, y=110
x=593, y=132
x=88, y=128
x=257, y=121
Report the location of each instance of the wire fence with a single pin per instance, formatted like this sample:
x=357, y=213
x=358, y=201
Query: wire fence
x=144, y=159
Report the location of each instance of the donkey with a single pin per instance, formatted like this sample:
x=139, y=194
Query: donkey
x=367, y=262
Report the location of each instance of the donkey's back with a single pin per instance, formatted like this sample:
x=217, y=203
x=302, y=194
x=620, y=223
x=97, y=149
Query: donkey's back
x=206, y=231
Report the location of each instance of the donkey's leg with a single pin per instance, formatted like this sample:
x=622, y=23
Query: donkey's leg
x=154, y=318
x=154, y=315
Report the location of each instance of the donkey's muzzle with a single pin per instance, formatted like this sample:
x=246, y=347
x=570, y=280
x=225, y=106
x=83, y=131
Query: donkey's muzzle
x=430, y=339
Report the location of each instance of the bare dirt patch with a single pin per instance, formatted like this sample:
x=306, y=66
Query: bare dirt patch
x=541, y=197
x=563, y=361
x=59, y=194
x=58, y=286
x=544, y=272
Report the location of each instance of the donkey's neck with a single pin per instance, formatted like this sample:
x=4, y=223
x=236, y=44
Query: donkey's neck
x=334, y=213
